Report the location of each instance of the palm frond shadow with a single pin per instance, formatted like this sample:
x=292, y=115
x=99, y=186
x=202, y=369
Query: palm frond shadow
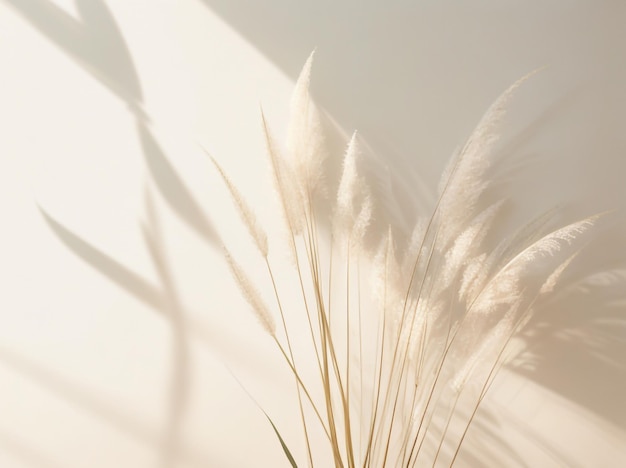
x=139, y=287
x=180, y=373
x=165, y=301
x=95, y=42
x=173, y=189
x=155, y=297
x=162, y=299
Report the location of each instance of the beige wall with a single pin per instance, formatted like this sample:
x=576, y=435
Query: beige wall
x=118, y=320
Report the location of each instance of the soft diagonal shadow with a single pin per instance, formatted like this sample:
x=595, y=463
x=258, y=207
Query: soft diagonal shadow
x=574, y=346
x=71, y=392
x=107, y=266
x=557, y=455
x=25, y=453
x=486, y=447
x=88, y=401
x=133, y=283
x=162, y=299
x=180, y=373
x=577, y=343
x=173, y=189
x=95, y=42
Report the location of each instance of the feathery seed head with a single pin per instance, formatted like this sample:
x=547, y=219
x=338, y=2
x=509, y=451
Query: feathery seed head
x=305, y=140
x=350, y=220
x=290, y=196
x=245, y=213
x=251, y=295
x=555, y=276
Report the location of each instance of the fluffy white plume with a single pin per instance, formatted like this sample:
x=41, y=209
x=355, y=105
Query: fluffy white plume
x=477, y=357
x=352, y=190
x=489, y=347
x=362, y=221
x=245, y=212
x=553, y=279
x=526, y=235
x=288, y=193
x=349, y=183
x=484, y=266
x=552, y=243
x=385, y=278
x=413, y=250
x=463, y=181
x=473, y=278
x=503, y=287
x=251, y=295
x=467, y=243
x=417, y=236
x=421, y=317
x=305, y=141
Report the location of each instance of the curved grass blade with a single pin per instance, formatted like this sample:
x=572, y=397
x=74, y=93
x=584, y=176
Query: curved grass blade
x=282, y=443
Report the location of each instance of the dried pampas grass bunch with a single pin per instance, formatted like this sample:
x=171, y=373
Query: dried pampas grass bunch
x=397, y=352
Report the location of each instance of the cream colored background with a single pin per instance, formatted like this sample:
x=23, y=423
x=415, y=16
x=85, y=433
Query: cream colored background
x=118, y=321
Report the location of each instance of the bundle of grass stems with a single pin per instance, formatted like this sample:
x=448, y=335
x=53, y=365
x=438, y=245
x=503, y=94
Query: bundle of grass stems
x=404, y=355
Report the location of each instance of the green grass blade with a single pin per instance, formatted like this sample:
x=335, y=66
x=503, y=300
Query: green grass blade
x=282, y=443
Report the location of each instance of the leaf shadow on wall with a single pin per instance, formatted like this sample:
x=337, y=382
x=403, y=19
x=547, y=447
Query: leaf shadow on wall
x=99, y=47
x=96, y=43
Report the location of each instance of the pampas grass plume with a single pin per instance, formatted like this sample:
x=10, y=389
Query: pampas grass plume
x=251, y=295
x=245, y=213
x=425, y=323
x=290, y=197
